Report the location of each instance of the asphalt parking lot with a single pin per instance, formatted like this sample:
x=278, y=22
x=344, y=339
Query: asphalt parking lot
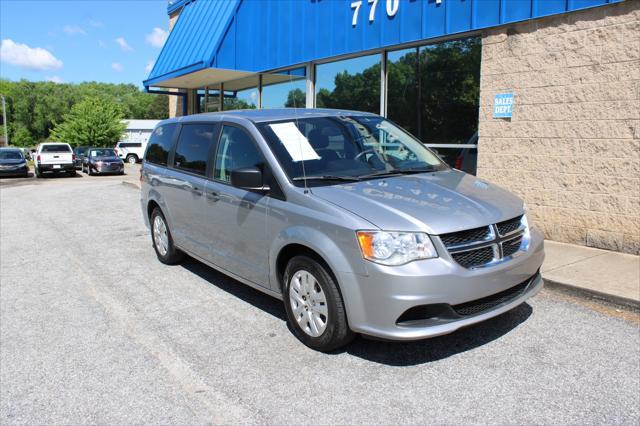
x=93, y=329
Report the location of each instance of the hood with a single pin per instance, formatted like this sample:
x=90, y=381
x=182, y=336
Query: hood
x=436, y=203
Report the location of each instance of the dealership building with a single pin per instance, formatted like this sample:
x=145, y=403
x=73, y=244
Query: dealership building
x=541, y=97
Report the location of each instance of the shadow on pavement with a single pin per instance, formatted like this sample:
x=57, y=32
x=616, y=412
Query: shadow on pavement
x=382, y=352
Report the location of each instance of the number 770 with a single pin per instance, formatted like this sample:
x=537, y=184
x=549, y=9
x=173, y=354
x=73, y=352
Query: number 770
x=392, y=9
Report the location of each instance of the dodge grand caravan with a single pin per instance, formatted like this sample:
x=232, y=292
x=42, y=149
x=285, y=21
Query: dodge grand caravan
x=344, y=216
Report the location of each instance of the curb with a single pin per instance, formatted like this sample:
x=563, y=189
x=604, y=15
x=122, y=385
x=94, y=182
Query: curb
x=592, y=294
x=131, y=184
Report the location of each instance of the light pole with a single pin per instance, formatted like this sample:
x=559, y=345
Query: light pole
x=4, y=121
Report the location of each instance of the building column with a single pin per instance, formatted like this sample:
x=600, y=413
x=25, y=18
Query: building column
x=311, y=89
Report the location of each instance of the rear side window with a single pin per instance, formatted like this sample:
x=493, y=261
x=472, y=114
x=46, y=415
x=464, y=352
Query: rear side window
x=130, y=145
x=160, y=144
x=193, y=147
x=55, y=148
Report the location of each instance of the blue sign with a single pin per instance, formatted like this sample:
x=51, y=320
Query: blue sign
x=503, y=105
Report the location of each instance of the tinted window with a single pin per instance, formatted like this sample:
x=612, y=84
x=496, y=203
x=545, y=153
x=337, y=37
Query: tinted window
x=55, y=148
x=130, y=145
x=160, y=144
x=10, y=154
x=193, y=146
x=236, y=150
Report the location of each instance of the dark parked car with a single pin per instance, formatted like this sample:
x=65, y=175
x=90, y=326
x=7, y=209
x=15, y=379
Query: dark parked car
x=101, y=161
x=13, y=163
x=79, y=152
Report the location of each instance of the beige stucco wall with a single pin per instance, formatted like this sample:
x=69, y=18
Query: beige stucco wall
x=572, y=147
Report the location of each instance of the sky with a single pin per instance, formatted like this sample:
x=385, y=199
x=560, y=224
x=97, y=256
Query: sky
x=71, y=41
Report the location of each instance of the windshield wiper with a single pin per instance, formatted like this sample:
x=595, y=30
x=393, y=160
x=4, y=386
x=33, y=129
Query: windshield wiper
x=398, y=172
x=327, y=177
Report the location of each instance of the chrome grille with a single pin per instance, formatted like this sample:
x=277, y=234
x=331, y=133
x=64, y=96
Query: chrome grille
x=473, y=258
x=511, y=246
x=478, y=247
x=509, y=226
x=463, y=237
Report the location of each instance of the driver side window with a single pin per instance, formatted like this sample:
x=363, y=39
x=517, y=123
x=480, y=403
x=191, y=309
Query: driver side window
x=236, y=150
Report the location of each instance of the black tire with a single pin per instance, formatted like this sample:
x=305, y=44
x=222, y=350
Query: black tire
x=173, y=256
x=337, y=332
x=132, y=159
x=72, y=174
x=89, y=172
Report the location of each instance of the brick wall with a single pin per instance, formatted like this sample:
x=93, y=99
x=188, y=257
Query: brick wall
x=572, y=147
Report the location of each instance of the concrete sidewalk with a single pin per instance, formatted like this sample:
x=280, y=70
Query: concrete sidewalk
x=604, y=274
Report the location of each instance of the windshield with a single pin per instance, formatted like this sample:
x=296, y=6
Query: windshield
x=346, y=147
x=10, y=155
x=104, y=152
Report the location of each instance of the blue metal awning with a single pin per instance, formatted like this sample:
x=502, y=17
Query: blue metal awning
x=193, y=42
x=222, y=40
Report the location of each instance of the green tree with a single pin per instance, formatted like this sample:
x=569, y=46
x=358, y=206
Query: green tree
x=21, y=136
x=93, y=121
x=296, y=98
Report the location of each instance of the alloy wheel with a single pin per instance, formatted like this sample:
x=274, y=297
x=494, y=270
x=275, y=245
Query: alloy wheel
x=308, y=303
x=160, y=235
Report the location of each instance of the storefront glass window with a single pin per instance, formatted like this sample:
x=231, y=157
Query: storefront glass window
x=286, y=89
x=244, y=99
x=402, y=89
x=350, y=84
x=449, y=91
x=433, y=92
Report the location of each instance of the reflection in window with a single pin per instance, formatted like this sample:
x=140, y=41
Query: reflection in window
x=193, y=147
x=449, y=91
x=236, y=150
x=350, y=84
x=286, y=89
x=441, y=106
x=244, y=99
x=160, y=144
x=402, y=89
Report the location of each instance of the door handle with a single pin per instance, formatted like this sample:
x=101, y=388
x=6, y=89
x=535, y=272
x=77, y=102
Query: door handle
x=196, y=190
x=213, y=196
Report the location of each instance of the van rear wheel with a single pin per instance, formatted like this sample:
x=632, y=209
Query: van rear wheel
x=162, y=241
x=314, y=306
x=132, y=159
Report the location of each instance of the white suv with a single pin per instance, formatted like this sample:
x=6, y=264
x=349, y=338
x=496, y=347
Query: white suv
x=131, y=152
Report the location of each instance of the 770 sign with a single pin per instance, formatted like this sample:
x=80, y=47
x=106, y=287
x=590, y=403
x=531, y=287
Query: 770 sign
x=392, y=9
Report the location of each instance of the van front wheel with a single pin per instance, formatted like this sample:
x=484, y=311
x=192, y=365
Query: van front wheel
x=315, y=309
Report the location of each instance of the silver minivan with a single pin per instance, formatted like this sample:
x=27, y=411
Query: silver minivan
x=350, y=220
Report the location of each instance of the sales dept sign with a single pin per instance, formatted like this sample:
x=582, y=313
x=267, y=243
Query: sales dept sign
x=503, y=105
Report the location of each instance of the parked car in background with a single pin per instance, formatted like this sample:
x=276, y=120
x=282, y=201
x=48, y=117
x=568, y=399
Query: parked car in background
x=79, y=152
x=131, y=152
x=102, y=161
x=54, y=157
x=13, y=163
x=351, y=221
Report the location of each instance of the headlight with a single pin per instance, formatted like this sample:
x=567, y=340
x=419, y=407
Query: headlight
x=526, y=219
x=395, y=248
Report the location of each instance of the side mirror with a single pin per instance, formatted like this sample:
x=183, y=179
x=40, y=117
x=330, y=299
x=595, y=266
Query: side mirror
x=249, y=178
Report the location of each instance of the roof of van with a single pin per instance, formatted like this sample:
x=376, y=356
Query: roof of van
x=260, y=115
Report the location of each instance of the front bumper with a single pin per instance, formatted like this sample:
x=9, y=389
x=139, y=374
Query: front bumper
x=106, y=168
x=377, y=302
